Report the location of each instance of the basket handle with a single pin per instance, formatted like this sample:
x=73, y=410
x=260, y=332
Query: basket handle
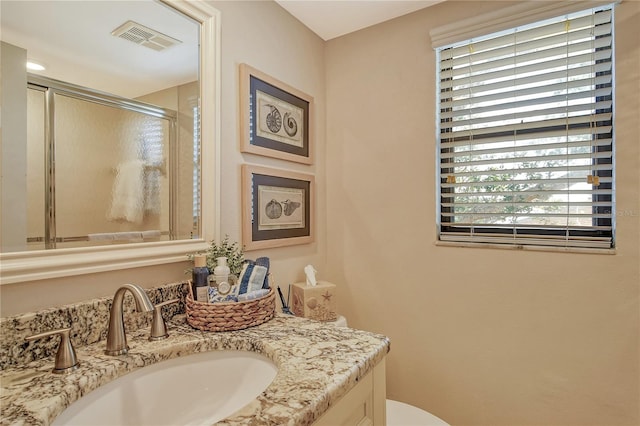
x=189, y=285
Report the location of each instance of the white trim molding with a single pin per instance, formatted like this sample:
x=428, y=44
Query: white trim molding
x=509, y=17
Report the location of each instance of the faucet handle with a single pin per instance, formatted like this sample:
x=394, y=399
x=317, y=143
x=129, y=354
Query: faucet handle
x=66, y=360
x=158, y=327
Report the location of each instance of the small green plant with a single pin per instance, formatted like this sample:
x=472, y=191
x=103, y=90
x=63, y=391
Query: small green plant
x=228, y=249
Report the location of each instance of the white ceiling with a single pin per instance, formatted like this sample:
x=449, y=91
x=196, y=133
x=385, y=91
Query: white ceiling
x=333, y=18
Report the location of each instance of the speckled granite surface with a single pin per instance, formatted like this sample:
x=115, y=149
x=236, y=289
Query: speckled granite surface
x=88, y=321
x=317, y=364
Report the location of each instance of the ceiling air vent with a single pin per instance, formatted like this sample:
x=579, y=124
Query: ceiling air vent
x=144, y=36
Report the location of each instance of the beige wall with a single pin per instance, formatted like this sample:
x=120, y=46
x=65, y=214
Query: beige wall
x=479, y=336
x=263, y=35
x=266, y=37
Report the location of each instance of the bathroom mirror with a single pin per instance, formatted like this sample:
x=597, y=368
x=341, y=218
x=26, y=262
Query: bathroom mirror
x=130, y=242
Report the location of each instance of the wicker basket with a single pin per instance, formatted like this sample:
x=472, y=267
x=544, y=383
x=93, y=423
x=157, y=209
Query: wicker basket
x=229, y=316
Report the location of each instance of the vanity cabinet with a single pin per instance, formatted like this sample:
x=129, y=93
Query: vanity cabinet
x=363, y=405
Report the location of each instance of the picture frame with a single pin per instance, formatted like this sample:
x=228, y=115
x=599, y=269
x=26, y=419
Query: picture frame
x=278, y=207
x=276, y=120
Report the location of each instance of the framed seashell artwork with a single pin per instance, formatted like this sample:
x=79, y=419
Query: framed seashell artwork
x=275, y=119
x=277, y=207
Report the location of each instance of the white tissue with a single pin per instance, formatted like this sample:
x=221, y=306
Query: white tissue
x=310, y=272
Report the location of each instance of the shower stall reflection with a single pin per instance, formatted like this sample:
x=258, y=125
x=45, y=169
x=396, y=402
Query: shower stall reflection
x=115, y=170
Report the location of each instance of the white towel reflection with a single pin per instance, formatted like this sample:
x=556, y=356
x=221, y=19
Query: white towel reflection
x=127, y=198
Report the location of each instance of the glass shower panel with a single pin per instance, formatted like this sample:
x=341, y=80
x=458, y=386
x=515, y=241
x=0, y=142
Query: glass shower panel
x=111, y=165
x=35, y=169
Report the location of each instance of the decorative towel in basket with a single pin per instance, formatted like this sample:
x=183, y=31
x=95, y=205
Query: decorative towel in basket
x=229, y=316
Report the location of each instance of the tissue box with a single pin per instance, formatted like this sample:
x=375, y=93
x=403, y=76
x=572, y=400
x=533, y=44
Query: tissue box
x=316, y=302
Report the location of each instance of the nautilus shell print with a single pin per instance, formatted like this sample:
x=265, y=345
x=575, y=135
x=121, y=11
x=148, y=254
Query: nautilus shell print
x=279, y=120
x=290, y=125
x=274, y=119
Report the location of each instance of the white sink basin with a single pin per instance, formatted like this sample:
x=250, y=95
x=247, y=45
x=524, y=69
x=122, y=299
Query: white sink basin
x=198, y=389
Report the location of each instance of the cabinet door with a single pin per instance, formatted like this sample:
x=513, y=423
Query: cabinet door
x=364, y=405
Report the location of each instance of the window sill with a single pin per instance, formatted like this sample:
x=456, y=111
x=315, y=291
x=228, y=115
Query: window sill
x=526, y=247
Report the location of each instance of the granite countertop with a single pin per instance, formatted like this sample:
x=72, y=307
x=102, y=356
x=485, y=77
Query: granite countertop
x=317, y=364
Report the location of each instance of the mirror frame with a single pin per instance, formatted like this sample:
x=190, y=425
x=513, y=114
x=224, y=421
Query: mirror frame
x=25, y=266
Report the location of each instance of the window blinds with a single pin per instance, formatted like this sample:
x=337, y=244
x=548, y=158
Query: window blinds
x=526, y=134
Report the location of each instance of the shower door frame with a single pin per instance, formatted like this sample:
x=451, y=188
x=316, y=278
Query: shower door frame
x=52, y=87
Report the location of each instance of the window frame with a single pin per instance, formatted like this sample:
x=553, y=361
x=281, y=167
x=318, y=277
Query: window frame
x=521, y=232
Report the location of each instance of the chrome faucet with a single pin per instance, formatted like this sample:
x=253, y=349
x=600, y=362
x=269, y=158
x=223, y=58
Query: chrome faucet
x=116, y=336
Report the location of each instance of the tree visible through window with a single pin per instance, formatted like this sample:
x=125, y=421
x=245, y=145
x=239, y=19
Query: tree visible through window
x=526, y=134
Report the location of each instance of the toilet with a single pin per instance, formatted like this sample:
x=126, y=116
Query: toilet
x=399, y=413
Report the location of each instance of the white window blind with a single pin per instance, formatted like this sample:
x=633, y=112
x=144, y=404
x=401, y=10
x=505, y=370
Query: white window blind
x=526, y=134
